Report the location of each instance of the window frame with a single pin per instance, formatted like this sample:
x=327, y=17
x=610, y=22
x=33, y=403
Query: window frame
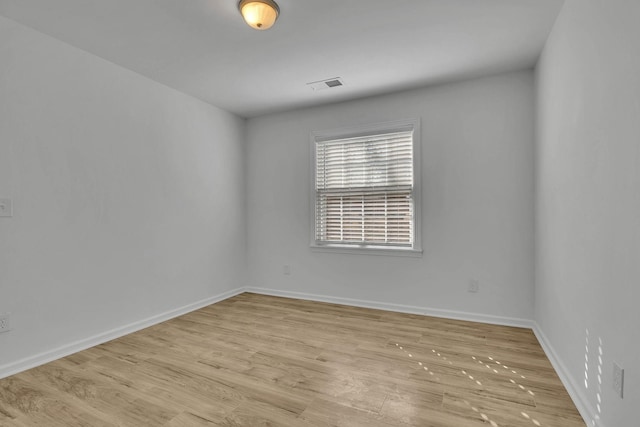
x=364, y=130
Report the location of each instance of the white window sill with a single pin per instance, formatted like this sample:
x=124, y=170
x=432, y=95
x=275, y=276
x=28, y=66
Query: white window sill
x=368, y=250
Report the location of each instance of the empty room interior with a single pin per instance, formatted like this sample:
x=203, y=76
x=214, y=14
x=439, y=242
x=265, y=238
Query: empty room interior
x=320, y=213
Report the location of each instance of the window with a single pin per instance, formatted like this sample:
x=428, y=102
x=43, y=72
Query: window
x=365, y=194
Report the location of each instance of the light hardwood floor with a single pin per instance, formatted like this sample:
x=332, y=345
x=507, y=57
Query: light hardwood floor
x=256, y=360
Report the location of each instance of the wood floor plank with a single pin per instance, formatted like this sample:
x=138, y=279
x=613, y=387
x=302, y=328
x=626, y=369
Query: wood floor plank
x=255, y=360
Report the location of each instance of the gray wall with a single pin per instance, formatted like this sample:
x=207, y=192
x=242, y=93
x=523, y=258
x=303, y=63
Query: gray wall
x=477, y=188
x=588, y=204
x=128, y=196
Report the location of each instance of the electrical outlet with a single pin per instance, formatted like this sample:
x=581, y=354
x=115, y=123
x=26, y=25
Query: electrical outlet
x=5, y=323
x=618, y=380
x=286, y=270
x=474, y=285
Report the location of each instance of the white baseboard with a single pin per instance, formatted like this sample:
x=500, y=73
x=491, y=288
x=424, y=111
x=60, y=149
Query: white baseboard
x=74, y=347
x=427, y=311
x=587, y=411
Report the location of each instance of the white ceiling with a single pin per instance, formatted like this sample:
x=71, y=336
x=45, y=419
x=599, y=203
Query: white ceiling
x=203, y=47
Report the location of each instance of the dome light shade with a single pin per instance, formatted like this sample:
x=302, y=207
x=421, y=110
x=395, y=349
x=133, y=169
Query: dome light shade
x=259, y=14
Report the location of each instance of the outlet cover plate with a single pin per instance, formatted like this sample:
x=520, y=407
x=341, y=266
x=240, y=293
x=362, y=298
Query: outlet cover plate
x=618, y=380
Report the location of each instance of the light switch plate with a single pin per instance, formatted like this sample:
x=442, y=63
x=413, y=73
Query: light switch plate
x=6, y=207
x=5, y=323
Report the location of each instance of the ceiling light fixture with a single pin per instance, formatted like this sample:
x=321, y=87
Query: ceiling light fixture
x=259, y=14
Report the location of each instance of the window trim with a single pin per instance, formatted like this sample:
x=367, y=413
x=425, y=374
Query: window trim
x=363, y=130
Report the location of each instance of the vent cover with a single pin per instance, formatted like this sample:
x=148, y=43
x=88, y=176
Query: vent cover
x=326, y=84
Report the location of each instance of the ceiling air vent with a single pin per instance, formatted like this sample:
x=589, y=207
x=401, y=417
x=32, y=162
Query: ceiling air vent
x=326, y=84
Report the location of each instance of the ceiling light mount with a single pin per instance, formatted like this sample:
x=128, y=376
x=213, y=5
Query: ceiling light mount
x=259, y=14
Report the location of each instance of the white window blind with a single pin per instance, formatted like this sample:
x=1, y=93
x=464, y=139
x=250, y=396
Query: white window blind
x=365, y=190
